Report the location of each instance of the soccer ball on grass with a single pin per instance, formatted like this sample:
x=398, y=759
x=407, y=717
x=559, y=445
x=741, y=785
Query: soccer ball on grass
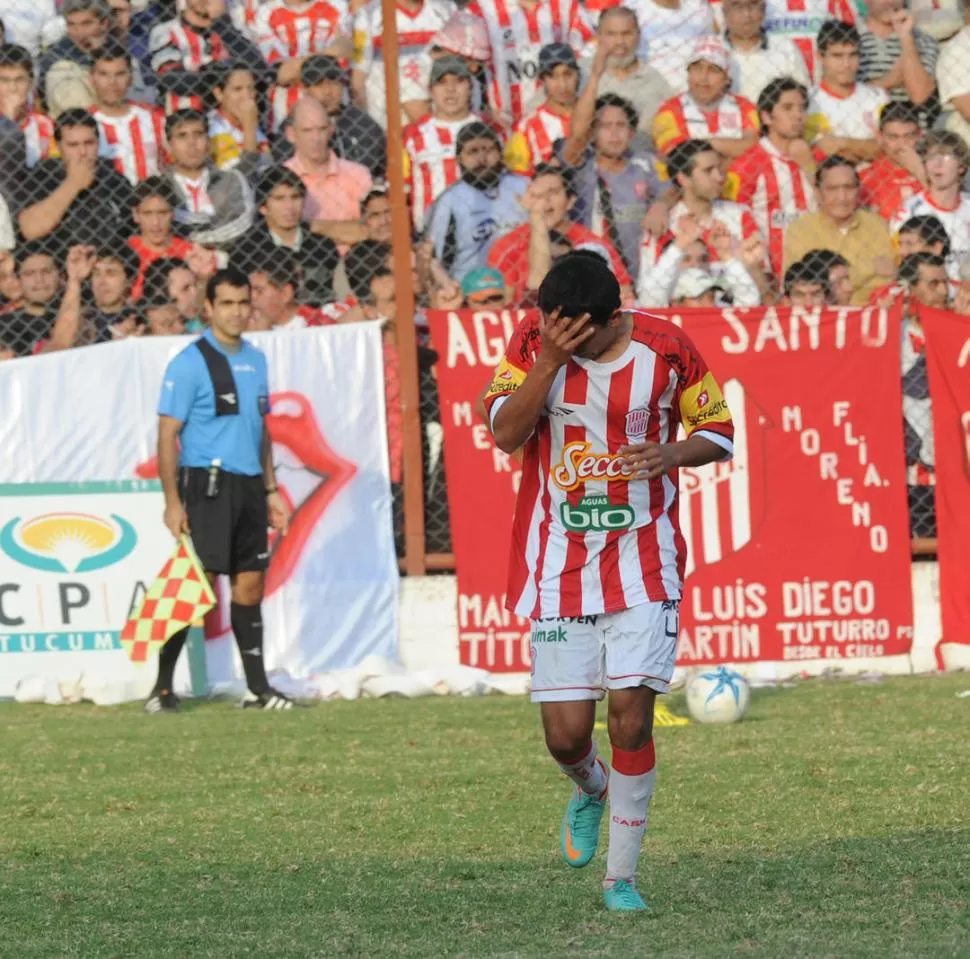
x=718, y=695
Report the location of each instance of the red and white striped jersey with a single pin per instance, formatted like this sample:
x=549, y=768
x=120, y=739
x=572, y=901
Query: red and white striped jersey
x=517, y=32
x=195, y=193
x=173, y=44
x=134, y=143
x=799, y=20
x=776, y=189
x=285, y=31
x=955, y=221
x=737, y=217
x=430, y=166
x=681, y=119
x=587, y=537
x=38, y=131
x=533, y=139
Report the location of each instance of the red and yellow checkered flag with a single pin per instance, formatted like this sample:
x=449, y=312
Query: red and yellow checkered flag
x=180, y=596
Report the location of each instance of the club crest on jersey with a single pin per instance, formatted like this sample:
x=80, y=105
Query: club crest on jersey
x=579, y=466
x=636, y=422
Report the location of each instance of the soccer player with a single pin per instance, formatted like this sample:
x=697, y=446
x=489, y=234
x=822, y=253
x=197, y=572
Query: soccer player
x=597, y=557
x=215, y=462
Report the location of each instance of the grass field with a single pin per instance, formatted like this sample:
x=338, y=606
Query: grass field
x=835, y=821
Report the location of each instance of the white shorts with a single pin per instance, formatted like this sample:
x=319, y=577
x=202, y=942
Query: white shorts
x=583, y=656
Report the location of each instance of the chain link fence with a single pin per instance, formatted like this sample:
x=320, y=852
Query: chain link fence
x=742, y=157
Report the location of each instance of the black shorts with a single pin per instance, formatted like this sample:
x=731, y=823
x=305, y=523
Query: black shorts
x=229, y=531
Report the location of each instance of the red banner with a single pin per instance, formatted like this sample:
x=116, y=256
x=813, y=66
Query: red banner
x=799, y=547
x=948, y=366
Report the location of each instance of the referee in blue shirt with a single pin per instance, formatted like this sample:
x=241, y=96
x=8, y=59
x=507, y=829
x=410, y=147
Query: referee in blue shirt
x=221, y=488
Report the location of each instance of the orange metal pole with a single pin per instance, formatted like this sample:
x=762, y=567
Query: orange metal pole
x=414, y=563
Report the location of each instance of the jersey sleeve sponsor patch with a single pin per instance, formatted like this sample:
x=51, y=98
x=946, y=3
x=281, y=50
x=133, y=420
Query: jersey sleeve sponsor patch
x=703, y=404
x=507, y=379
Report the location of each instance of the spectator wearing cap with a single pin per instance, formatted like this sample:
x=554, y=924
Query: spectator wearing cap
x=77, y=198
x=697, y=287
x=334, y=186
x=859, y=236
x=201, y=34
x=707, y=110
x=758, y=55
x=280, y=196
x=430, y=166
x=484, y=204
x=153, y=210
x=214, y=207
x=523, y=256
x=357, y=136
x=532, y=141
x=616, y=188
x=626, y=74
x=234, y=130
x=485, y=288
x=277, y=295
x=464, y=35
x=290, y=31
x=669, y=29
x=16, y=82
x=88, y=25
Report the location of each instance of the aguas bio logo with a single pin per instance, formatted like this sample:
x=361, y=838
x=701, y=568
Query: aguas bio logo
x=68, y=542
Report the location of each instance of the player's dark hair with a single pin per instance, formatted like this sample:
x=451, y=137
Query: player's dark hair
x=908, y=271
x=683, y=157
x=174, y=120
x=834, y=162
x=364, y=259
x=551, y=169
x=898, y=111
x=154, y=186
x=580, y=282
x=771, y=96
x=615, y=100
x=112, y=50
x=14, y=55
x=282, y=268
x=230, y=276
x=802, y=272
x=75, y=117
x=837, y=31
x=930, y=229
x=125, y=256
x=273, y=177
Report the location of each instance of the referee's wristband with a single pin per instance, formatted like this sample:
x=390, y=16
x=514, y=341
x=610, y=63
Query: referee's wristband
x=270, y=490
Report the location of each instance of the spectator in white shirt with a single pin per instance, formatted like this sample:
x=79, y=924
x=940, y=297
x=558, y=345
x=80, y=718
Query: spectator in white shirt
x=757, y=56
x=669, y=31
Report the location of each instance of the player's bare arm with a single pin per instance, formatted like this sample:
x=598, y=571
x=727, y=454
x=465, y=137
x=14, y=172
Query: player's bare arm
x=650, y=460
x=561, y=336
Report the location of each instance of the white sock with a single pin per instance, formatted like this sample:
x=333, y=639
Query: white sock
x=589, y=773
x=631, y=786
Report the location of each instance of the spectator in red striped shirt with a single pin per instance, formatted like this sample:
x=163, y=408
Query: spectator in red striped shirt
x=131, y=135
x=153, y=210
x=535, y=135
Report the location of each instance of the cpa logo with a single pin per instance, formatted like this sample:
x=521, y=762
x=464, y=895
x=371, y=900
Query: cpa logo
x=68, y=542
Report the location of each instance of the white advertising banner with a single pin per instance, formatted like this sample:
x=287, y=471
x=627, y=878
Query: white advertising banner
x=80, y=508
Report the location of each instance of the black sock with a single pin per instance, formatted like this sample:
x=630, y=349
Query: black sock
x=247, y=625
x=168, y=656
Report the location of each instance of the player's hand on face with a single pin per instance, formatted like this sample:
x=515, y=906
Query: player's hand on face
x=175, y=519
x=279, y=513
x=562, y=336
x=649, y=460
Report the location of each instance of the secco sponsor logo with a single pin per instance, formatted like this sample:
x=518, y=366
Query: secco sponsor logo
x=68, y=542
x=579, y=466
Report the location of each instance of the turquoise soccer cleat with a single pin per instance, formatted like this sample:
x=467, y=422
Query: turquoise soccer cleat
x=623, y=897
x=580, y=833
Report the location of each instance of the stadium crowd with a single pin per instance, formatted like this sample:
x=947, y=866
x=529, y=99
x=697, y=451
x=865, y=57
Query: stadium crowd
x=743, y=152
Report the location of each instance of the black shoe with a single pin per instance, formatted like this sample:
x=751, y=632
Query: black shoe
x=271, y=699
x=162, y=701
